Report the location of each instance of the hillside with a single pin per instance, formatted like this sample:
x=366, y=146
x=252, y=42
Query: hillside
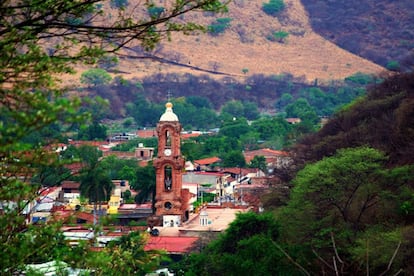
x=243, y=50
x=379, y=30
x=383, y=120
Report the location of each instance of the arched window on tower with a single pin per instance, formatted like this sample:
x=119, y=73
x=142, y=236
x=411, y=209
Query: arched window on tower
x=167, y=178
x=167, y=139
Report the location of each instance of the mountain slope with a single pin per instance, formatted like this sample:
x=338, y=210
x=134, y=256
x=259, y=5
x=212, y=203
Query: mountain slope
x=243, y=50
x=379, y=30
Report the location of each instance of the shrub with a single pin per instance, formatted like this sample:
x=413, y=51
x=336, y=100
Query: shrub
x=360, y=78
x=279, y=36
x=273, y=7
x=219, y=26
x=393, y=65
x=119, y=3
x=95, y=77
x=155, y=11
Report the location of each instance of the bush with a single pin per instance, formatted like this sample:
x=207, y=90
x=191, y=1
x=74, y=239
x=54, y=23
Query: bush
x=155, y=11
x=219, y=26
x=95, y=77
x=119, y=3
x=273, y=7
x=279, y=36
x=393, y=65
x=360, y=78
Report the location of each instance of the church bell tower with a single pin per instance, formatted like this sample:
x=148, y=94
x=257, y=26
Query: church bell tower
x=169, y=164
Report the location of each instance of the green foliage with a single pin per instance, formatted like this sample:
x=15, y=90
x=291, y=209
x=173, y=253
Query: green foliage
x=393, y=65
x=219, y=26
x=283, y=101
x=361, y=78
x=125, y=256
x=237, y=109
x=95, y=183
x=303, y=110
x=195, y=112
x=143, y=112
x=119, y=3
x=95, y=77
x=39, y=42
x=344, y=198
x=155, y=11
x=199, y=102
x=128, y=122
x=279, y=36
x=233, y=158
x=145, y=183
x=273, y=7
x=259, y=162
x=234, y=128
x=371, y=120
x=95, y=131
x=269, y=128
x=247, y=247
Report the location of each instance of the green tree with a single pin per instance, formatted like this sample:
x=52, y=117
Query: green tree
x=40, y=41
x=96, y=77
x=247, y=247
x=393, y=65
x=233, y=159
x=219, y=26
x=235, y=108
x=259, y=162
x=283, y=101
x=251, y=111
x=234, y=128
x=279, y=36
x=199, y=102
x=340, y=199
x=145, y=184
x=119, y=3
x=95, y=131
x=273, y=7
x=125, y=256
x=95, y=183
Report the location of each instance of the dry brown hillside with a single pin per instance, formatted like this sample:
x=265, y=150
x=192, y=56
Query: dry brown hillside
x=244, y=47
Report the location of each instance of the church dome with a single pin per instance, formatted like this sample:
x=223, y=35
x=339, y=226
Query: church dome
x=169, y=115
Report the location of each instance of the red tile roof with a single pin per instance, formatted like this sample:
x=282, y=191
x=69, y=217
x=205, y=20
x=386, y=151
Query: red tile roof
x=207, y=161
x=170, y=244
x=189, y=135
x=70, y=185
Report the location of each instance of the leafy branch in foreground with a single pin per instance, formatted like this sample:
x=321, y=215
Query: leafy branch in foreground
x=39, y=42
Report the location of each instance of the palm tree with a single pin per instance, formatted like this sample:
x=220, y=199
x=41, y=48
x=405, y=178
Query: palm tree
x=95, y=183
x=145, y=184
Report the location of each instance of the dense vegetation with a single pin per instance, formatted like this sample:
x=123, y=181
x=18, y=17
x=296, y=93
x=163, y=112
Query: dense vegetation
x=39, y=41
x=144, y=99
x=350, y=210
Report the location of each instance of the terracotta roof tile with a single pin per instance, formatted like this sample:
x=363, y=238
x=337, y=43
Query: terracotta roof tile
x=170, y=244
x=207, y=161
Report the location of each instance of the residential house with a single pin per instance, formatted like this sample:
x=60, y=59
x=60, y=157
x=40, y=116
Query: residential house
x=206, y=164
x=274, y=158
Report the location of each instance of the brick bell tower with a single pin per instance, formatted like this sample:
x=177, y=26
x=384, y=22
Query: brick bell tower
x=170, y=205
